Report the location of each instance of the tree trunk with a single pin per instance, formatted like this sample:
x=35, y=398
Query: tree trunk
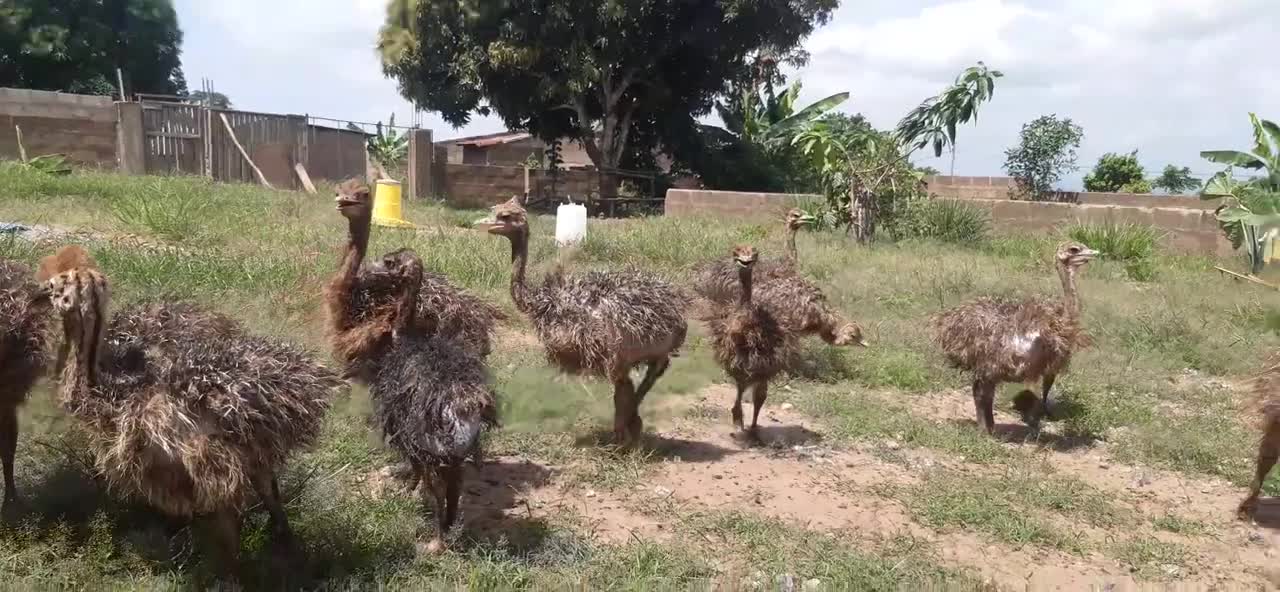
x=862, y=219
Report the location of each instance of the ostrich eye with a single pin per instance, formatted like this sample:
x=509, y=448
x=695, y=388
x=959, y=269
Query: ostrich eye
x=1074, y=250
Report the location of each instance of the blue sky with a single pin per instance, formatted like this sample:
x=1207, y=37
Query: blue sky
x=1167, y=77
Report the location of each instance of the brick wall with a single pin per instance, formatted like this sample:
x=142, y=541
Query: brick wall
x=999, y=188
x=82, y=127
x=1187, y=229
x=481, y=186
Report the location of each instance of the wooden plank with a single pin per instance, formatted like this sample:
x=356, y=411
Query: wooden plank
x=304, y=178
x=1247, y=278
x=175, y=135
x=261, y=178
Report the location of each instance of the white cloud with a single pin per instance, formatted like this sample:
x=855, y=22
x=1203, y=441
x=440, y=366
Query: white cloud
x=1169, y=77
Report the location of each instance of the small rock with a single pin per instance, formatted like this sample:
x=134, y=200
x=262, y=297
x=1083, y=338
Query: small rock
x=1104, y=466
x=786, y=583
x=1171, y=570
x=786, y=406
x=892, y=445
x=812, y=584
x=591, y=493
x=717, y=476
x=662, y=491
x=1256, y=538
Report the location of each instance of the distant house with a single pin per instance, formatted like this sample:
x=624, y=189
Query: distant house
x=515, y=148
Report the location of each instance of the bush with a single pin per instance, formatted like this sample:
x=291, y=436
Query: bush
x=1132, y=244
x=939, y=219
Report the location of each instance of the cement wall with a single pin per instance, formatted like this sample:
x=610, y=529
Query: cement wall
x=81, y=127
x=481, y=186
x=1186, y=229
x=1000, y=188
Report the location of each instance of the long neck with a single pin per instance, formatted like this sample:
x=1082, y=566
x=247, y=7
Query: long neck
x=520, y=261
x=1070, y=298
x=407, y=307
x=791, y=245
x=341, y=288
x=744, y=277
x=84, y=338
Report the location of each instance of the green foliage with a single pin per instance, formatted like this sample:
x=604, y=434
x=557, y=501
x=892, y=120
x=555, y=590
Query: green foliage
x=76, y=45
x=214, y=99
x=1134, y=245
x=1176, y=180
x=1118, y=173
x=1250, y=213
x=1046, y=150
x=46, y=164
x=388, y=146
x=945, y=220
x=935, y=120
x=611, y=74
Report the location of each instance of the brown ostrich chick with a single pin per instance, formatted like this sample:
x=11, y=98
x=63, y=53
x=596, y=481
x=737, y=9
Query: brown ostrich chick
x=1266, y=390
x=24, y=341
x=748, y=341
x=1000, y=340
x=356, y=296
x=801, y=306
x=193, y=422
x=598, y=323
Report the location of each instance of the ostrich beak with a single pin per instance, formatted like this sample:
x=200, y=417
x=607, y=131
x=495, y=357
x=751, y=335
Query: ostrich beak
x=1090, y=254
x=808, y=220
x=343, y=201
x=863, y=342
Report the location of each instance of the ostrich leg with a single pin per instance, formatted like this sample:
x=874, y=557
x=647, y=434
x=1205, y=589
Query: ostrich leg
x=624, y=410
x=759, y=392
x=737, y=405
x=447, y=514
x=1044, y=397
x=1268, y=450
x=654, y=371
x=269, y=492
x=226, y=531
x=984, y=394
x=8, y=448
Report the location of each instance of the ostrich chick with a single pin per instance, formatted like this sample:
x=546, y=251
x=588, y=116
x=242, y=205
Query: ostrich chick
x=1266, y=390
x=1000, y=340
x=748, y=341
x=192, y=425
x=717, y=279
x=24, y=340
x=598, y=323
x=431, y=398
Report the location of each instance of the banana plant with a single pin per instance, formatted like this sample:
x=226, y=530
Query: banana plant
x=1250, y=213
x=388, y=146
x=763, y=118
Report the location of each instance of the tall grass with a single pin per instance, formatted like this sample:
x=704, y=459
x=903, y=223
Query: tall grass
x=1132, y=244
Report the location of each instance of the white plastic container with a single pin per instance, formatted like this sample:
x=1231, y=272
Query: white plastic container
x=571, y=224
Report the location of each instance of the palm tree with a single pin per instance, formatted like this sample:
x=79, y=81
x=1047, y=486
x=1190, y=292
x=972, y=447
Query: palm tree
x=935, y=120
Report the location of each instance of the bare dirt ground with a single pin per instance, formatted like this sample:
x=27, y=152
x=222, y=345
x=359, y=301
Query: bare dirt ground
x=795, y=477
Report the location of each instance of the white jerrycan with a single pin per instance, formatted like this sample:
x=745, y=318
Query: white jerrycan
x=571, y=223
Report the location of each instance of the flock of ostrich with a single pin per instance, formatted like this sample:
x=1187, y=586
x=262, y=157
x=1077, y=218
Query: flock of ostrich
x=189, y=412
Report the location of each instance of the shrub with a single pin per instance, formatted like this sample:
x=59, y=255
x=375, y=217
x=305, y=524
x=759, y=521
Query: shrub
x=940, y=219
x=1132, y=244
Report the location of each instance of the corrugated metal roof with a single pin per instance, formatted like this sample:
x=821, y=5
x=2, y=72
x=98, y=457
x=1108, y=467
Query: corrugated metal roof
x=491, y=140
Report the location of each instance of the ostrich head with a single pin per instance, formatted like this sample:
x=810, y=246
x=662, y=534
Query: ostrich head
x=849, y=334
x=744, y=256
x=798, y=218
x=509, y=219
x=76, y=294
x=353, y=200
x=1073, y=255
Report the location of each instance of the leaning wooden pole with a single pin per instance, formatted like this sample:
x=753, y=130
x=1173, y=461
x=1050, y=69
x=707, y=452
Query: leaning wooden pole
x=261, y=177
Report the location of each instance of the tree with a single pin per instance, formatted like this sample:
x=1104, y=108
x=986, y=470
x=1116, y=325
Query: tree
x=212, y=99
x=1118, y=173
x=1046, y=150
x=1250, y=214
x=76, y=46
x=591, y=71
x=935, y=120
x=387, y=146
x=1176, y=180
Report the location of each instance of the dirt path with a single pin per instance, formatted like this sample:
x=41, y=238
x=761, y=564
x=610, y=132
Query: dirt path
x=797, y=478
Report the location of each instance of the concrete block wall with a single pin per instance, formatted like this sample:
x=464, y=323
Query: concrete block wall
x=481, y=186
x=81, y=127
x=1186, y=229
x=960, y=187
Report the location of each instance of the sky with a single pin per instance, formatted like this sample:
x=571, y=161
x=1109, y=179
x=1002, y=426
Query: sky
x=1166, y=77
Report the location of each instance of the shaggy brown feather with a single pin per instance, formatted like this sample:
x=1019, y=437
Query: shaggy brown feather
x=1005, y=340
x=192, y=422
x=598, y=323
x=749, y=342
x=1266, y=402
x=24, y=341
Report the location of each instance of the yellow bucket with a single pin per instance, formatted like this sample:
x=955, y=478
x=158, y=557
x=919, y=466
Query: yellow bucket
x=386, y=205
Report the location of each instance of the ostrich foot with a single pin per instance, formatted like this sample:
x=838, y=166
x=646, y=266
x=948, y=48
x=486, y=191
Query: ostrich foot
x=432, y=548
x=13, y=508
x=737, y=418
x=1247, y=508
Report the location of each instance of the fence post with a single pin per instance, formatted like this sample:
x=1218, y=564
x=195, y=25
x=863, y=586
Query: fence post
x=421, y=152
x=131, y=154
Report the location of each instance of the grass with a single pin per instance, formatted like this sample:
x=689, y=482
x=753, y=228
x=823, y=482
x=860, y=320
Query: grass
x=1145, y=390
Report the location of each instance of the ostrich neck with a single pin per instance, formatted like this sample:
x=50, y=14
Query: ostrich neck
x=84, y=336
x=341, y=288
x=408, y=306
x=519, y=261
x=791, y=245
x=357, y=246
x=1070, y=298
x=744, y=277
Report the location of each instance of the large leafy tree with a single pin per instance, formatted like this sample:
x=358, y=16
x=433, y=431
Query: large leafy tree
x=1118, y=172
x=1046, y=150
x=76, y=45
x=593, y=71
x=1176, y=180
x=935, y=120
